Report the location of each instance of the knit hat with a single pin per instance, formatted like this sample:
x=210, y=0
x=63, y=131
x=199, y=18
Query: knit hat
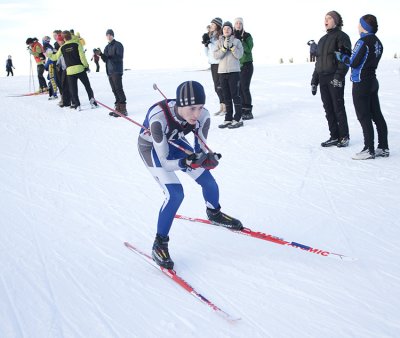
x=227, y=23
x=217, y=21
x=369, y=23
x=337, y=18
x=110, y=31
x=238, y=19
x=190, y=93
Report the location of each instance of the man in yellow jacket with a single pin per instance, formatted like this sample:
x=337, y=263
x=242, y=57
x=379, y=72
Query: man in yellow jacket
x=77, y=66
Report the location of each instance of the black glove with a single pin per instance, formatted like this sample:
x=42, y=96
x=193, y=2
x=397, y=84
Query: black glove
x=337, y=83
x=87, y=70
x=211, y=161
x=205, y=39
x=314, y=89
x=194, y=160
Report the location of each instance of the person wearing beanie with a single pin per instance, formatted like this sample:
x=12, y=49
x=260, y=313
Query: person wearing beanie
x=50, y=67
x=113, y=56
x=36, y=49
x=165, y=150
x=364, y=61
x=229, y=51
x=330, y=76
x=215, y=33
x=246, y=68
x=76, y=69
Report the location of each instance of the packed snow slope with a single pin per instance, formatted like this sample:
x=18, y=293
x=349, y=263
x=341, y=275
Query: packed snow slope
x=73, y=188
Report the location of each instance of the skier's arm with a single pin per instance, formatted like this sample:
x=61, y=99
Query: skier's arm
x=161, y=146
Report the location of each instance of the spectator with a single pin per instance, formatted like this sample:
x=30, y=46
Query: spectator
x=96, y=58
x=9, y=66
x=229, y=51
x=77, y=66
x=313, y=50
x=211, y=46
x=36, y=49
x=330, y=75
x=113, y=57
x=246, y=68
x=364, y=61
x=61, y=67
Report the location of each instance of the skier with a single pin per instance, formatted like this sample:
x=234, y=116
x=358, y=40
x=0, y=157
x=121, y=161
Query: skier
x=330, y=75
x=167, y=123
x=366, y=55
x=113, y=57
x=50, y=67
x=36, y=49
x=9, y=66
x=229, y=52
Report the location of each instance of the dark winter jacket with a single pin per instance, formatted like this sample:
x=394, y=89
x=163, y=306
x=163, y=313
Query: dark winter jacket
x=9, y=64
x=313, y=48
x=365, y=58
x=113, y=57
x=327, y=64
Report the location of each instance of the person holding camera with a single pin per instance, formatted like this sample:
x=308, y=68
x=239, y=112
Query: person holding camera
x=113, y=56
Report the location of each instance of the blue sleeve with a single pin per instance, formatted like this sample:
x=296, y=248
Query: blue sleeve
x=359, y=52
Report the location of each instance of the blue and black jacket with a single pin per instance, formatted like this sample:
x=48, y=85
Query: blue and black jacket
x=366, y=55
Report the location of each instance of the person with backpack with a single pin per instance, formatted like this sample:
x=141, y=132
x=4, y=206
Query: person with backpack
x=36, y=49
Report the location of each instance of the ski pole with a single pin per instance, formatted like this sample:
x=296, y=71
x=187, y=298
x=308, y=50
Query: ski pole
x=122, y=115
x=155, y=87
x=186, y=151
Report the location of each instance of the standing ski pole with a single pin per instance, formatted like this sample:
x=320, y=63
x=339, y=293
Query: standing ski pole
x=155, y=87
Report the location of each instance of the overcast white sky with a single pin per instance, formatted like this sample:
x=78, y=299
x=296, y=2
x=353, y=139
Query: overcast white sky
x=167, y=34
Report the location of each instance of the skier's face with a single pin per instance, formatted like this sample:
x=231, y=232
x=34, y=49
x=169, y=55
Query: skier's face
x=213, y=27
x=190, y=114
x=109, y=37
x=329, y=22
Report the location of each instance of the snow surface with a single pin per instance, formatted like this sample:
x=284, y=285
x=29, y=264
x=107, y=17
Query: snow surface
x=73, y=188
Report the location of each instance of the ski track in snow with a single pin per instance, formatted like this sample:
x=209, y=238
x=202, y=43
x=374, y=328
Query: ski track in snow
x=73, y=188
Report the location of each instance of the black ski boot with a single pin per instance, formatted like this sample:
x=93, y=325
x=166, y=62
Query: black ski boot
x=160, y=252
x=331, y=142
x=219, y=218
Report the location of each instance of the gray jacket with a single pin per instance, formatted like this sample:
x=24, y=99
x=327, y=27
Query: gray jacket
x=229, y=59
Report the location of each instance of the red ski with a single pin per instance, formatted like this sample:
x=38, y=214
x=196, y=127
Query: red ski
x=181, y=282
x=274, y=239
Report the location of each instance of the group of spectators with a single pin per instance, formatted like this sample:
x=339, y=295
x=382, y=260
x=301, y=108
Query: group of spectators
x=66, y=63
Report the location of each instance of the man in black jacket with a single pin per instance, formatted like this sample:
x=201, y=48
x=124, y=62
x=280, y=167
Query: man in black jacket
x=113, y=57
x=330, y=75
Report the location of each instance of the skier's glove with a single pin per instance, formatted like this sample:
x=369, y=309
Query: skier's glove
x=211, y=161
x=314, y=89
x=193, y=161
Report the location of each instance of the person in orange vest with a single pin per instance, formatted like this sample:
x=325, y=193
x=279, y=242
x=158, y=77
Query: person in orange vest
x=36, y=49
